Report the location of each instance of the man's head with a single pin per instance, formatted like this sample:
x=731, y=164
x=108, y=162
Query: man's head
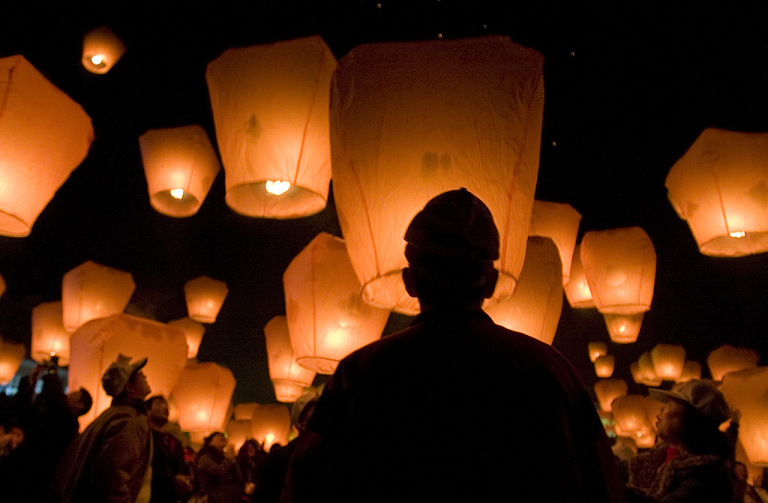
x=79, y=401
x=157, y=409
x=125, y=379
x=451, y=246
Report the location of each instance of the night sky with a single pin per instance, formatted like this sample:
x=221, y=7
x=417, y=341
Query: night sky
x=628, y=87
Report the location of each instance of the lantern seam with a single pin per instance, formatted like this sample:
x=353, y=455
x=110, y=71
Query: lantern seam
x=7, y=90
x=361, y=191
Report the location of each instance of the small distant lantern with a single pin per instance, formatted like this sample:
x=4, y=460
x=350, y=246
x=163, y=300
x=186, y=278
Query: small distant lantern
x=634, y=416
x=101, y=50
x=288, y=377
x=747, y=391
x=718, y=187
x=44, y=136
x=244, y=411
x=2, y=286
x=648, y=370
x=412, y=120
x=180, y=166
x=607, y=390
x=604, y=366
x=238, y=431
x=536, y=306
x=193, y=331
x=203, y=394
x=271, y=424
x=91, y=291
x=691, y=370
x=577, y=289
x=596, y=349
x=11, y=356
x=668, y=361
x=287, y=392
x=327, y=318
x=205, y=296
x=559, y=222
x=49, y=337
x=270, y=110
x=727, y=359
x=623, y=328
x=97, y=344
x=637, y=374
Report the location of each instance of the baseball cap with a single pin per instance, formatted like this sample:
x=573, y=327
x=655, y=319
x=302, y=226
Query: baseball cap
x=701, y=395
x=118, y=373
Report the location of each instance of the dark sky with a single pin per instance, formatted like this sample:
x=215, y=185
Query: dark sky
x=629, y=86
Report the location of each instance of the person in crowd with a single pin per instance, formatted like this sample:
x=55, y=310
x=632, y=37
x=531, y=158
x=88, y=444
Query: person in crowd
x=216, y=471
x=694, y=460
x=171, y=480
x=110, y=460
x=455, y=407
x=743, y=491
x=249, y=459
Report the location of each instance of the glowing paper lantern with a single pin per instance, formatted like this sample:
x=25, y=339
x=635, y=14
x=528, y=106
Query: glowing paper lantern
x=412, y=120
x=691, y=370
x=288, y=377
x=91, y=291
x=327, y=318
x=559, y=222
x=2, y=286
x=747, y=391
x=203, y=394
x=637, y=375
x=535, y=307
x=11, y=356
x=604, y=365
x=648, y=370
x=668, y=361
x=623, y=328
x=270, y=110
x=596, y=349
x=635, y=416
x=205, y=296
x=180, y=166
x=577, y=289
x=727, y=359
x=607, y=390
x=49, y=337
x=719, y=188
x=238, y=431
x=101, y=50
x=244, y=411
x=271, y=424
x=44, y=136
x=193, y=331
x=97, y=344
x=287, y=392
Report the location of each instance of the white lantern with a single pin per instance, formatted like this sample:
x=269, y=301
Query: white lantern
x=623, y=328
x=91, y=291
x=205, y=296
x=728, y=358
x=668, y=361
x=596, y=349
x=49, y=337
x=577, y=289
x=101, y=50
x=559, y=222
x=607, y=390
x=604, y=365
x=203, y=394
x=747, y=391
x=193, y=331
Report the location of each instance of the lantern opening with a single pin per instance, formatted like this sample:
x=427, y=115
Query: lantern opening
x=738, y=234
x=277, y=187
x=97, y=59
x=177, y=193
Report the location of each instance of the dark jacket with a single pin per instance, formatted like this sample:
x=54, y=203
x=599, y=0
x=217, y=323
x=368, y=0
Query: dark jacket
x=217, y=476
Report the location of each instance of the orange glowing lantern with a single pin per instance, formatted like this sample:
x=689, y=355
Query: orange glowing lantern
x=412, y=120
x=327, y=318
x=49, y=337
x=271, y=424
x=44, y=136
x=596, y=349
x=193, y=331
x=205, y=296
x=623, y=328
x=287, y=392
x=270, y=110
x=607, y=390
x=648, y=370
x=238, y=431
x=97, y=344
x=101, y=50
x=727, y=359
x=2, y=286
x=718, y=188
x=668, y=361
x=91, y=291
x=559, y=222
x=747, y=391
x=244, y=411
x=180, y=166
x=577, y=289
x=535, y=307
x=11, y=356
x=203, y=394
x=604, y=365
x=691, y=370
x=288, y=377
x=635, y=416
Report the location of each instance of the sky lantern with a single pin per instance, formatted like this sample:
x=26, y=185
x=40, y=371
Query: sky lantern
x=747, y=391
x=49, y=337
x=101, y=50
x=577, y=289
x=648, y=370
x=288, y=377
x=2, y=286
x=44, y=136
x=604, y=365
x=559, y=222
x=691, y=370
x=203, y=394
x=193, y=331
x=623, y=328
x=180, y=166
x=635, y=416
x=244, y=411
x=238, y=431
x=97, y=344
x=607, y=390
x=728, y=358
x=718, y=187
x=205, y=296
x=91, y=291
x=536, y=306
x=668, y=361
x=271, y=424
x=411, y=120
x=287, y=392
x=327, y=318
x=11, y=356
x=596, y=349
x=270, y=110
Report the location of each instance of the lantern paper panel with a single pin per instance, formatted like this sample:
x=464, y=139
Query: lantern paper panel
x=577, y=289
x=287, y=392
x=411, y=120
x=244, y=411
x=691, y=370
x=559, y=222
x=668, y=361
x=536, y=306
x=238, y=431
x=180, y=166
x=607, y=390
x=283, y=367
x=327, y=318
x=44, y=136
x=728, y=358
x=753, y=471
x=719, y=188
x=11, y=356
x=596, y=349
x=604, y=365
x=203, y=395
x=648, y=370
x=623, y=328
x=101, y=50
x=49, y=337
x=91, y=291
x=620, y=265
x=747, y=391
x=271, y=424
x=193, y=331
x=270, y=111
x=97, y=344
x=205, y=296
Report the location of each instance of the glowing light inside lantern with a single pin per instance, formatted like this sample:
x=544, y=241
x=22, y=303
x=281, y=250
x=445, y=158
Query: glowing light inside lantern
x=622, y=328
x=53, y=353
x=177, y=193
x=269, y=439
x=202, y=415
x=278, y=187
x=97, y=59
x=738, y=234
